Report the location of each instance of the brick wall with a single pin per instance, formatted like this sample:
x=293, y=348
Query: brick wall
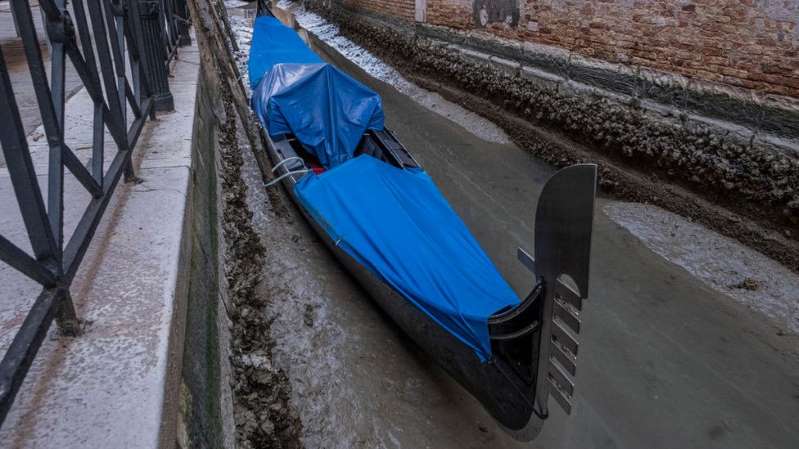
x=402, y=9
x=452, y=13
x=752, y=44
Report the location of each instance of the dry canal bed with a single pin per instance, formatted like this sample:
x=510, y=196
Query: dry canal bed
x=671, y=357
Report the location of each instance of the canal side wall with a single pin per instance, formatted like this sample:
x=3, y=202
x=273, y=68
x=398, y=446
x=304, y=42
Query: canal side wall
x=644, y=127
x=206, y=405
x=233, y=395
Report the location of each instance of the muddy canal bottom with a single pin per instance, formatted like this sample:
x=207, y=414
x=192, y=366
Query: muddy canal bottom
x=678, y=351
x=356, y=380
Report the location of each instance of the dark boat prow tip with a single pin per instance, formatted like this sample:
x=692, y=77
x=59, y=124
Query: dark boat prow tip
x=533, y=344
x=264, y=8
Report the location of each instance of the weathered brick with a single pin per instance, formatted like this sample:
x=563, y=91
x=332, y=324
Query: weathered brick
x=743, y=43
x=402, y=9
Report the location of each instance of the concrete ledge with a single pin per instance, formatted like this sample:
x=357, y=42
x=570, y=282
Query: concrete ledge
x=116, y=385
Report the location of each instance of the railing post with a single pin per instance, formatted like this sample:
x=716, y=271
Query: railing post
x=66, y=316
x=182, y=13
x=156, y=63
x=14, y=20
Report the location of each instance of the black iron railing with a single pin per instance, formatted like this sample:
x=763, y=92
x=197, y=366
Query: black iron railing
x=121, y=50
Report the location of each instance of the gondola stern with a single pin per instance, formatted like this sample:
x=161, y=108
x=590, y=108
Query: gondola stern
x=563, y=230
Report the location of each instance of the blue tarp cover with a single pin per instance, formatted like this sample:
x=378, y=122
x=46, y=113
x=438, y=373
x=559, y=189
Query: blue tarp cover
x=395, y=222
x=325, y=109
x=398, y=224
x=274, y=43
x=322, y=106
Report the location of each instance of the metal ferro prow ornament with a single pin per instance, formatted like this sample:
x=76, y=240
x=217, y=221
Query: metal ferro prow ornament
x=563, y=226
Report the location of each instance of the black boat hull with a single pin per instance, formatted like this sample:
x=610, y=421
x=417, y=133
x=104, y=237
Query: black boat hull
x=500, y=393
x=535, y=344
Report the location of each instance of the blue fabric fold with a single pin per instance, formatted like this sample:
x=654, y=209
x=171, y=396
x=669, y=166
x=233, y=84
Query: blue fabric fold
x=274, y=43
x=398, y=224
x=325, y=109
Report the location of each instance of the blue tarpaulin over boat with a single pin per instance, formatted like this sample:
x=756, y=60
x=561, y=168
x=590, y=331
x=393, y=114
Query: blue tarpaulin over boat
x=395, y=222
x=274, y=43
x=323, y=107
x=398, y=224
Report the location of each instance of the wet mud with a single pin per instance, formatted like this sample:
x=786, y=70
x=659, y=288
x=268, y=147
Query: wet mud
x=723, y=264
x=745, y=190
x=660, y=350
x=262, y=413
x=357, y=382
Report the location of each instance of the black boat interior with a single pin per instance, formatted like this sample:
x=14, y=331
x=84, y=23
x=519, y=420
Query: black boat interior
x=381, y=145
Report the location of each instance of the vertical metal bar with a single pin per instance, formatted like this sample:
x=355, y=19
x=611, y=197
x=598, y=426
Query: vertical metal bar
x=159, y=7
x=55, y=181
x=139, y=53
x=168, y=14
x=14, y=20
x=20, y=166
x=133, y=31
x=116, y=30
x=156, y=69
x=113, y=19
x=98, y=151
x=57, y=74
x=120, y=35
x=98, y=136
x=66, y=317
x=37, y=70
x=106, y=64
x=83, y=32
x=182, y=12
x=169, y=35
x=85, y=38
x=135, y=73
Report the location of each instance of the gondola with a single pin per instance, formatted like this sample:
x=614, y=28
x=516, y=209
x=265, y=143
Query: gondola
x=384, y=220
